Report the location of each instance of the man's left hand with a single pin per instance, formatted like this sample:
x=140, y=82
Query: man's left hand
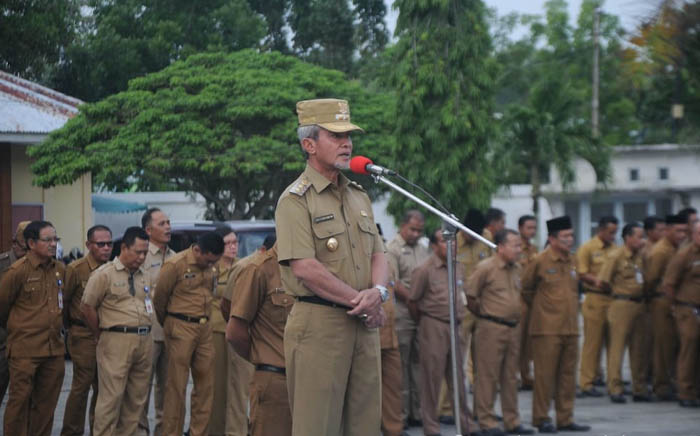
x=366, y=302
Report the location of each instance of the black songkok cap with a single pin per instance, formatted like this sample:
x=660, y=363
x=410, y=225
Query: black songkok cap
x=475, y=220
x=676, y=219
x=559, y=223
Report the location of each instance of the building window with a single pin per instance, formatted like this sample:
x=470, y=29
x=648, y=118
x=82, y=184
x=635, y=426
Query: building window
x=634, y=174
x=663, y=173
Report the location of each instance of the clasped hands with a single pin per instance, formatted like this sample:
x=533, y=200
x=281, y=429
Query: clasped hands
x=368, y=306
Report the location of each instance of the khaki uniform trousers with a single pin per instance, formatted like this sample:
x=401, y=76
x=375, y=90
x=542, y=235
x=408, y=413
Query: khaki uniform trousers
x=665, y=339
x=525, y=359
x=407, y=334
x=35, y=384
x=436, y=366
x=333, y=372
x=83, y=352
x=640, y=350
x=269, y=405
x=623, y=316
x=468, y=327
x=4, y=368
x=497, y=356
x=159, y=374
x=217, y=423
x=190, y=348
x=595, y=325
x=123, y=372
x=555, y=377
x=240, y=375
x=688, y=322
x=392, y=424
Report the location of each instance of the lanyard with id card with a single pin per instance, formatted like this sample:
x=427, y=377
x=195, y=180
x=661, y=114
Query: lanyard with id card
x=59, y=282
x=147, y=301
x=638, y=275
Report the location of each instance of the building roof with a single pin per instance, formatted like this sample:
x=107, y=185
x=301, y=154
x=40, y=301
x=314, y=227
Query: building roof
x=27, y=108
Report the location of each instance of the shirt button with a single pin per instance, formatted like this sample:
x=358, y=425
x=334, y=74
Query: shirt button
x=358, y=266
x=353, y=245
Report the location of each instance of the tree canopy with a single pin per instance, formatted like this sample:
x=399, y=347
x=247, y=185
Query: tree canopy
x=222, y=125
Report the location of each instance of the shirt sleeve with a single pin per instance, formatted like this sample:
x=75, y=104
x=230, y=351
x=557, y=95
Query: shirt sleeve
x=293, y=228
x=529, y=279
x=654, y=272
x=167, y=279
x=583, y=260
x=248, y=293
x=476, y=282
x=96, y=289
x=609, y=269
x=419, y=283
x=72, y=283
x=674, y=272
x=9, y=289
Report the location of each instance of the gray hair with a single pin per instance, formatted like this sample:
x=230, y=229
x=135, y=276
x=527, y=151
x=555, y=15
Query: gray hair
x=310, y=131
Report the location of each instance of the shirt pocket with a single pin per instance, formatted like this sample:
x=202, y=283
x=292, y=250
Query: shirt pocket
x=329, y=239
x=281, y=306
x=368, y=233
x=31, y=291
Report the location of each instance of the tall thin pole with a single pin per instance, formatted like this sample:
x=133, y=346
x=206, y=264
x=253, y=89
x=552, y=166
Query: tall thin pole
x=595, y=131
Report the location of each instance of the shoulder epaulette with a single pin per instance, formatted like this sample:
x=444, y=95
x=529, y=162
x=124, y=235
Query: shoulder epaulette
x=300, y=186
x=356, y=185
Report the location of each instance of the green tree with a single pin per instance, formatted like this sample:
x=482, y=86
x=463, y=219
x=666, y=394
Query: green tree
x=274, y=12
x=222, y=125
x=443, y=76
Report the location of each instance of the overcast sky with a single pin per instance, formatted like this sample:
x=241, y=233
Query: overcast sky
x=631, y=12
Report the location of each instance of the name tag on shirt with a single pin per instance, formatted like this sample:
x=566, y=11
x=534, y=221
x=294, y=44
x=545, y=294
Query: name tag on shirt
x=552, y=271
x=149, y=305
x=639, y=277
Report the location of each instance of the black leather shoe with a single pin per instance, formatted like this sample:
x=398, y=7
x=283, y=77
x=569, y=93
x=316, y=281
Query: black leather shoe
x=575, y=427
x=546, y=427
x=414, y=422
x=599, y=382
x=592, y=392
x=688, y=403
x=644, y=398
x=526, y=387
x=619, y=399
x=521, y=429
x=667, y=397
x=447, y=420
x=492, y=432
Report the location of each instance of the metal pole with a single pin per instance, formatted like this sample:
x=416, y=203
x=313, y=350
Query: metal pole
x=596, y=73
x=457, y=385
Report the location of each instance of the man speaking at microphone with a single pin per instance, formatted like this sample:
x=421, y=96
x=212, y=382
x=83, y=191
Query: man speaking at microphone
x=332, y=262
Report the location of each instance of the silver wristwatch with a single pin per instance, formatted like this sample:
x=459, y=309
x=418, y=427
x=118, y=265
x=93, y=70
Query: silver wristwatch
x=383, y=292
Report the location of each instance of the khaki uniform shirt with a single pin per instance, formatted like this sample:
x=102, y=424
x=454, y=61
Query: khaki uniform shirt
x=590, y=259
x=218, y=323
x=429, y=288
x=528, y=253
x=331, y=223
x=184, y=287
x=107, y=290
x=403, y=259
x=388, y=339
x=77, y=275
x=258, y=298
x=235, y=271
x=661, y=255
x=6, y=260
x=470, y=253
x=29, y=306
x=155, y=258
x=496, y=286
x=683, y=274
x=550, y=285
x=624, y=272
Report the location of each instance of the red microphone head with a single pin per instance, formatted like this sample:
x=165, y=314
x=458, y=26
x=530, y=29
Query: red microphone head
x=358, y=164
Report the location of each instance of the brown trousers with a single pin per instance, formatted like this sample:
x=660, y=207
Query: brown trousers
x=467, y=329
x=525, y=359
x=641, y=349
x=665, y=339
x=497, y=356
x=595, y=325
x=392, y=424
x=217, y=423
x=190, y=348
x=435, y=363
x=407, y=334
x=333, y=372
x=4, y=369
x=269, y=405
x=159, y=374
x=35, y=385
x=241, y=373
x=623, y=316
x=555, y=377
x=123, y=372
x=83, y=352
x=688, y=323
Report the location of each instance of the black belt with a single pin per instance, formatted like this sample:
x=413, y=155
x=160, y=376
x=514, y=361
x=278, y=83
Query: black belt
x=270, y=368
x=657, y=295
x=498, y=320
x=143, y=330
x=593, y=291
x=78, y=322
x=318, y=300
x=686, y=304
x=192, y=319
x=636, y=299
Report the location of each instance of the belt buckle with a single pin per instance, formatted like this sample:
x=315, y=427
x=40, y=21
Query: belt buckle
x=202, y=320
x=142, y=331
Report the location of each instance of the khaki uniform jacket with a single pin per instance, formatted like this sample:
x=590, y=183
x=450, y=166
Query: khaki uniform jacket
x=155, y=258
x=471, y=253
x=683, y=274
x=624, y=272
x=528, y=254
x=6, y=260
x=659, y=258
x=591, y=257
x=404, y=258
x=331, y=223
x=184, y=287
x=429, y=288
x=29, y=307
x=258, y=299
x=218, y=323
x=77, y=275
x=550, y=285
x=496, y=286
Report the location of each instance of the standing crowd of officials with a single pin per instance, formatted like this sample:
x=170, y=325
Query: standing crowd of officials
x=325, y=331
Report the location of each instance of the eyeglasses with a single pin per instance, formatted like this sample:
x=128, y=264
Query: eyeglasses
x=231, y=243
x=49, y=240
x=102, y=244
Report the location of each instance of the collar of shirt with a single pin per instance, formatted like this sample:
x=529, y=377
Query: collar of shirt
x=319, y=182
x=400, y=240
x=437, y=262
x=598, y=243
x=119, y=266
x=502, y=264
x=35, y=261
x=189, y=257
x=556, y=256
x=93, y=264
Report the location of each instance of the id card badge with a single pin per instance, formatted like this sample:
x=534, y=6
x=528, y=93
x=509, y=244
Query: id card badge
x=147, y=301
x=639, y=277
x=59, y=282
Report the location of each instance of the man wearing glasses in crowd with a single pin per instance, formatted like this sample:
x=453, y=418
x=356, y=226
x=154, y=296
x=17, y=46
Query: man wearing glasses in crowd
x=81, y=342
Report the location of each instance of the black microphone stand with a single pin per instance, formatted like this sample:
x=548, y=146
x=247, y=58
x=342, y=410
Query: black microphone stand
x=450, y=224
